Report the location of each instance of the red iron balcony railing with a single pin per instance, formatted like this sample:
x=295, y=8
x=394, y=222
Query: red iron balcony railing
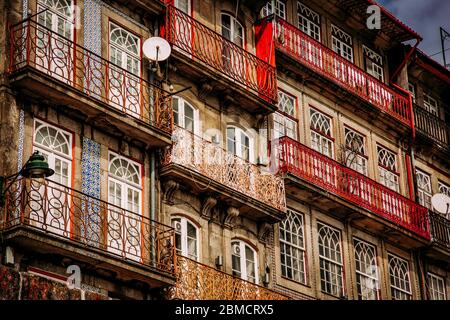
x=72, y=215
x=326, y=62
x=212, y=161
x=440, y=229
x=196, y=281
x=292, y=157
x=34, y=45
x=200, y=42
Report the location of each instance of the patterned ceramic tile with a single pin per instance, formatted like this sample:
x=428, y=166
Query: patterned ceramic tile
x=90, y=185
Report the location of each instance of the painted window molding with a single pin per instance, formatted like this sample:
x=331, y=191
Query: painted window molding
x=244, y=261
x=186, y=237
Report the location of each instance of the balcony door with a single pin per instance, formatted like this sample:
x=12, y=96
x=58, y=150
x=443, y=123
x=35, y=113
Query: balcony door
x=124, y=76
x=125, y=212
x=50, y=203
x=54, y=36
x=232, y=54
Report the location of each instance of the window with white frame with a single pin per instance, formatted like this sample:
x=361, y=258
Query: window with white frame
x=444, y=188
x=125, y=192
x=244, y=261
x=430, y=104
x=342, y=43
x=285, y=123
x=232, y=29
x=239, y=143
x=183, y=5
x=308, y=21
x=186, y=237
x=374, y=63
x=412, y=90
x=436, y=287
x=387, y=168
x=399, y=278
x=292, y=247
x=424, y=191
x=321, y=133
x=367, y=280
x=330, y=258
x=280, y=9
x=355, y=151
x=185, y=115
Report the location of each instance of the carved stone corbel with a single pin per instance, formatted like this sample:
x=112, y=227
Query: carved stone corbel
x=207, y=207
x=170, y=186
x=204, y=90
x=230, y=217
x=264, y=231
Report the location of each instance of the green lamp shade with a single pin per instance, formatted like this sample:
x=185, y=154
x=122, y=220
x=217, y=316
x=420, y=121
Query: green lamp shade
x=36, y=167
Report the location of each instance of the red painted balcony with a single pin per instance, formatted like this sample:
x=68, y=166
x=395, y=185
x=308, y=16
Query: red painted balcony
x=67, y=219
x=199, y=42
x=74, y=68
x=307, y=164
x=316, y=56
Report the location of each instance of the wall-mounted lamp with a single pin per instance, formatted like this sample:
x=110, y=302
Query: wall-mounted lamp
x=266, y=279
x=35, y=167
x=219, y=262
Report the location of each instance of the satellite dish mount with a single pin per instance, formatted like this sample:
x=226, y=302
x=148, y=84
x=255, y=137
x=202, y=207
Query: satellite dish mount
x=156, y=49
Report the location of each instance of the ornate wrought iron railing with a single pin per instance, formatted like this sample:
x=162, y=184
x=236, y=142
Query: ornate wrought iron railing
x=326, y=62
x=212, y=161
x=431, y=126
x=74, y=216
x=196, y=281
x=34, y=45
x=200, y=42
x=290, y=156
x=440, y=229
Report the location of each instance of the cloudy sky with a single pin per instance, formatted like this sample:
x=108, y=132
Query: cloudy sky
x=425, y=17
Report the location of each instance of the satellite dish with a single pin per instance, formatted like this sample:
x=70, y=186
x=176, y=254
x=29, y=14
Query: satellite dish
x=156, y=49
x=441, y=203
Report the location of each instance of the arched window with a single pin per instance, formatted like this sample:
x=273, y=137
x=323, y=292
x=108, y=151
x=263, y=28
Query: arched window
x=244, y=261
x=355, y=151
x=58, y=17
x=185, y=115
x=232, y=30
x=239, y=143
x=292, y=247
x=124, y=49
x=186, y=237
x=56, y=146
x=399, y=278
x=321, y=133
x=125, y=185
x=330, y=256
x=366, y=270
x=387, y=166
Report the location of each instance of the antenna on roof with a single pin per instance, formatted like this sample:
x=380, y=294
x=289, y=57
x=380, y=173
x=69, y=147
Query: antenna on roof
x=444, y=36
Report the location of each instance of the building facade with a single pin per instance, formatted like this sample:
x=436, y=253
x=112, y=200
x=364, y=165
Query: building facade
x=284, y=150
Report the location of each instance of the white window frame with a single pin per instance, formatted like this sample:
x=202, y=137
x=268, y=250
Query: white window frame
x=233, y=24
x=388, y=175
x=434, y=282
x=308, y=21
x=424, y=188
x=412, y=90
x=334, y=266
x=358, y=157
x=238, y=132
x=374, y=63
x=283, y=125
x=321, y=133
x=280, y=9
x=182, y=105
x=294, y=251
x=430, y=104
x=444, y=188
x=243, y=260
x=181, y=229
x=183, y=7
x=342, y=43
x=397, y=291
x=367, y=281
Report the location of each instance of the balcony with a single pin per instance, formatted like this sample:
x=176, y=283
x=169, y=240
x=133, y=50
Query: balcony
x=196, y=281
x=431, y=127
x=46, y=217
x=291, y=157
x=49, y=67
x=440, y=230
x=322, y=60
x=206, y=166
x=213, y=56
